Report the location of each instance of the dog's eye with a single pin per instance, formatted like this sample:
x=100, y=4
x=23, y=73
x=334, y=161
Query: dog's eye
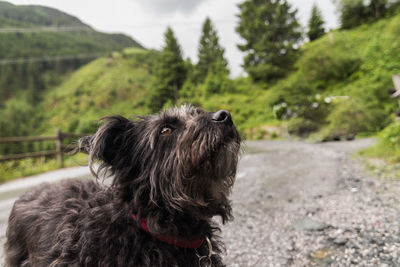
x=166, y=131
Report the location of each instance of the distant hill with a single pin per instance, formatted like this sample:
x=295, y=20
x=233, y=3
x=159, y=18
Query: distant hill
x=12, y=15
x=75, y=36
x=39, y=45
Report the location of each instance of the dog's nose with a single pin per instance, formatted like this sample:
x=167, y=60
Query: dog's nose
x=221, y=116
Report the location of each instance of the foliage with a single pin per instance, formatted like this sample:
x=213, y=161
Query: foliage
x=117, y=85
x=315, y=24
x=210, y=54
x=217, y=82
x=388, y=145
x=26, y=167
x=301, y=126
x=356, y=12
x=352, y=13
x=270, y=30
x=351, y=117
x=322, y=65
x=171, y=74
x=348, y=65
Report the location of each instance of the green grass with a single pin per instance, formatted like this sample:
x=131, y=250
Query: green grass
x=26, y=167
x=383, y=158
x=388, y=145
x=107, y=86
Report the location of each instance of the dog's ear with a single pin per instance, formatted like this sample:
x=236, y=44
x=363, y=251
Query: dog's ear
x=109, y=139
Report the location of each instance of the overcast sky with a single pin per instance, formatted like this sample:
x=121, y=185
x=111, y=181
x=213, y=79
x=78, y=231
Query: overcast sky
x=146, y=20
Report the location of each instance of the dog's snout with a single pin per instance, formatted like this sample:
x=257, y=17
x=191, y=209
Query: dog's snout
x=221, y=116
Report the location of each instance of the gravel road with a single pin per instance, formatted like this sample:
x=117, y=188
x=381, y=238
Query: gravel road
x=297, y=204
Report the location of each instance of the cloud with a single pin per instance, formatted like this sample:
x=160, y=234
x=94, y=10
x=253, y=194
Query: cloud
x=166, y=7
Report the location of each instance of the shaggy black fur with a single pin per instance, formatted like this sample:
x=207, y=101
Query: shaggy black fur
x=175, y=169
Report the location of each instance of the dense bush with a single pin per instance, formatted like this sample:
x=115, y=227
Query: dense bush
x=300, y=98
x=323, y=64
x=301, y=126
x=217, y=84
x=390, y=136
x=350, y=117
x=388, y=145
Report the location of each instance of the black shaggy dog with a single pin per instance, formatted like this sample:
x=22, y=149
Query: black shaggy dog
x=172, y=173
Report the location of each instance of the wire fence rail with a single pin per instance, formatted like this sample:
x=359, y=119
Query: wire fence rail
x=14, y=61
x=46, y=29
x=58, y=152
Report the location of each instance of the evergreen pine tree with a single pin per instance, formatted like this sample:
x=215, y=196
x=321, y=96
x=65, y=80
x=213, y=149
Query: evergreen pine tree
x=352, y=13
x=356, y=12
x=315, y=24
x=170, y=74
x=378, y=8
x=210, y=53
x=270, y=30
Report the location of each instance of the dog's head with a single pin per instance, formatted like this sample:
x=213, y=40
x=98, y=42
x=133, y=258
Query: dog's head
x=183, y=159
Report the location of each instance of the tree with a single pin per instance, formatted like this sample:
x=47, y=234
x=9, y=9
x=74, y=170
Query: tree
x=315, y=24
x=356, y=12
x=271, y=31
x=378, y=8
x=170, y=74
x=218, y=81
x=210, y=53
x=352, y=13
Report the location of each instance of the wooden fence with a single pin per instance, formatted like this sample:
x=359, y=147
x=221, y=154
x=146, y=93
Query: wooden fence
x=58, y=152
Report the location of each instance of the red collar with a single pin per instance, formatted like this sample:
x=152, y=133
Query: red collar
x=179, y=242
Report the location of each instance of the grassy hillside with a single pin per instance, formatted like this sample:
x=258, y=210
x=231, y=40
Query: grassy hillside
x=348, y=75
x=340, y=87
x=121, y=84
x=117, y=84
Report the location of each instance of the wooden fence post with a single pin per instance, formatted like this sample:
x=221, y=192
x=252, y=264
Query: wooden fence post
x=59, y=147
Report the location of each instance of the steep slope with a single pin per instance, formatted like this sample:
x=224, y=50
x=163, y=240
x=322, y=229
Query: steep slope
x=117, y=84
x=341, y=84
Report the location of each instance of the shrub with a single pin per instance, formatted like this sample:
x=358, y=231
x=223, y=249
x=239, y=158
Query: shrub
x=390, y=136
x=327, y=65
x=301, y=126
x=353, y=116
x=216, y=84
x=388, y=146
